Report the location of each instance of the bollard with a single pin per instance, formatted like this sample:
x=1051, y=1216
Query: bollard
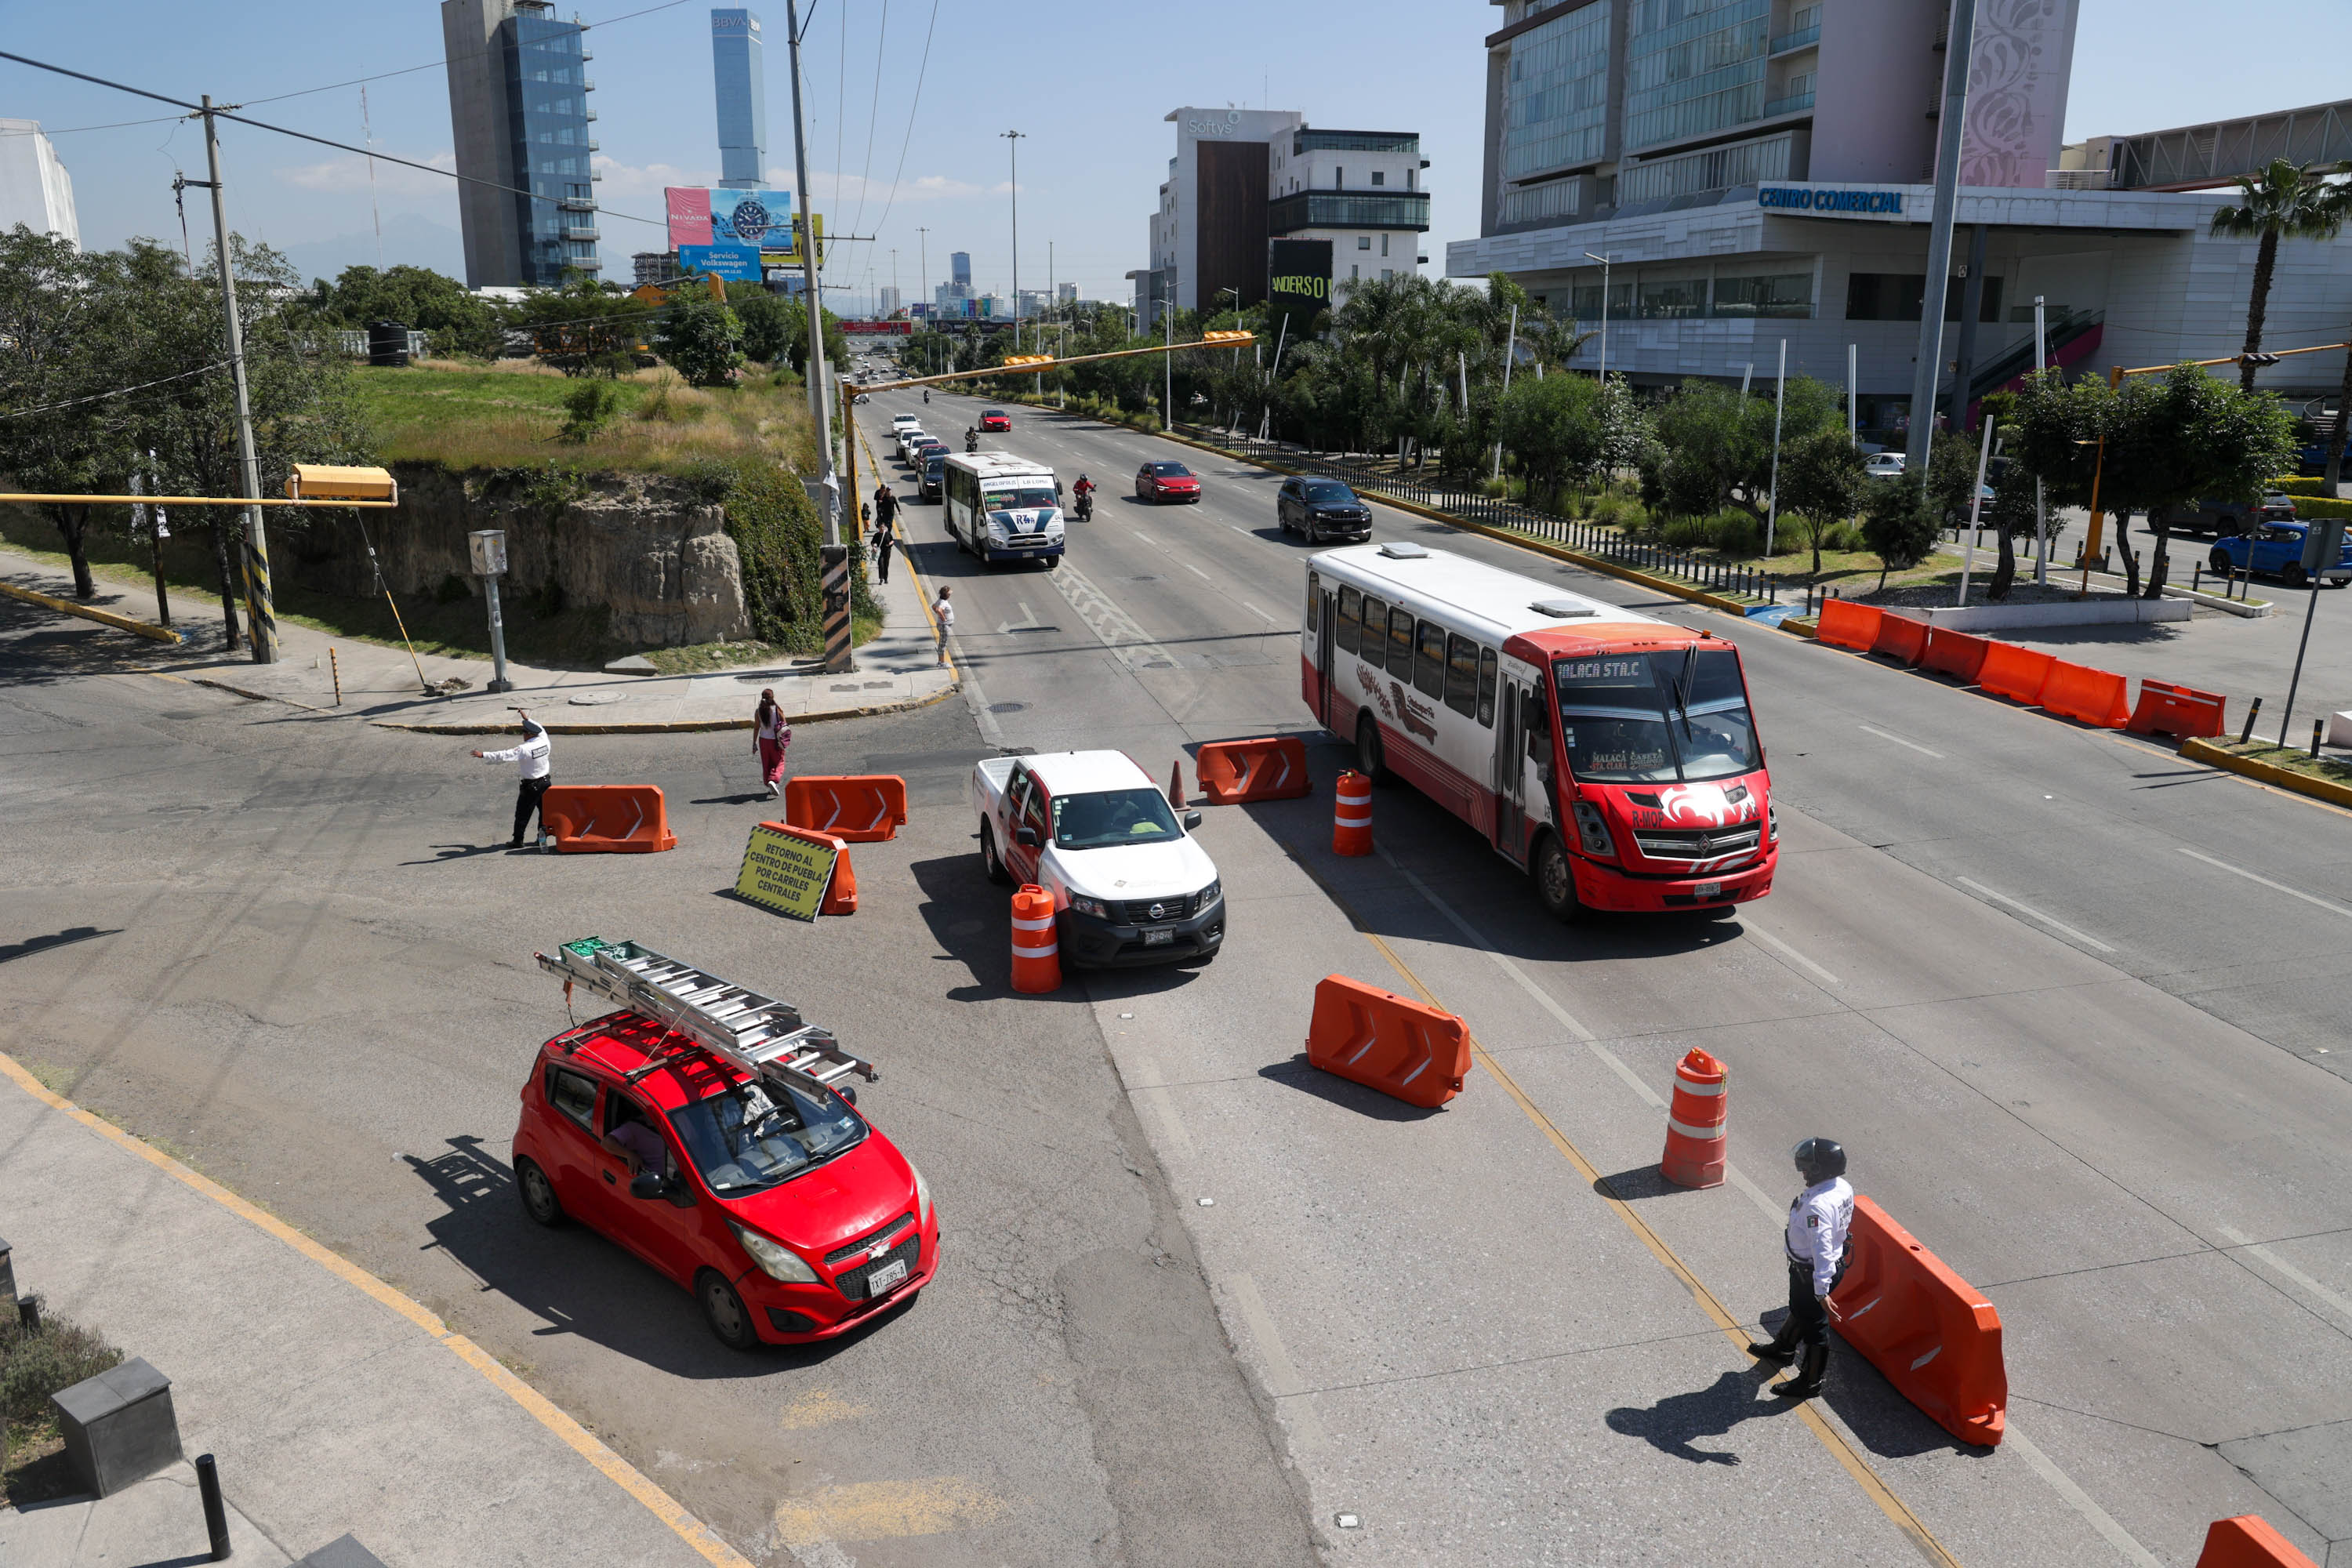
x=335, y=668
x=1036, y=956
x=2253, y=710
x=1352, y=816
x=2318, y=725
x=216, y=1515
x=2197, y=578
x=28, y=1313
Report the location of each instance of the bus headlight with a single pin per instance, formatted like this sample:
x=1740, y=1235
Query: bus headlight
x=1592, y=829
x=1772, y=815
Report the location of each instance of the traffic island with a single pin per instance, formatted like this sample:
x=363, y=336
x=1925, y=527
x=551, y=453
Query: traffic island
x=2322, y=778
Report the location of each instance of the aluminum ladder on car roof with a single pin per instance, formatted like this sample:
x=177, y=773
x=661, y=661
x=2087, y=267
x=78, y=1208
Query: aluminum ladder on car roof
x=736, y=1024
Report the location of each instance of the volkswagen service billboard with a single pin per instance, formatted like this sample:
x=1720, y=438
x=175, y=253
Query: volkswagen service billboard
x=1298, y=284
x=720, y=230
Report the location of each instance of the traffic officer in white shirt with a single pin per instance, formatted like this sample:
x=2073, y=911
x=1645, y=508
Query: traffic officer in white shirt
x=531, y=761
x=1818, y=1220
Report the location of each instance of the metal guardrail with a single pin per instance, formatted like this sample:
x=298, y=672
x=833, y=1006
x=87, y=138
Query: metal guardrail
x=1455, y=498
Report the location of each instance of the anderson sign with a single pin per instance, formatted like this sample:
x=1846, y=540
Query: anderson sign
x=1827, y=201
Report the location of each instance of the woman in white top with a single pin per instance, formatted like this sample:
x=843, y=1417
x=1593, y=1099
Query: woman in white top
x=772, y=735
x=943, y=618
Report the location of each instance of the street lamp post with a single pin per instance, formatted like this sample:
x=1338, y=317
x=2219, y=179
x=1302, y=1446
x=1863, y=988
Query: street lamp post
x=1604, y=313
x=1012, y=146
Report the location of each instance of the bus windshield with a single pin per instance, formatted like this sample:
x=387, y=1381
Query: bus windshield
x=1654, y=718
x=1032, y=496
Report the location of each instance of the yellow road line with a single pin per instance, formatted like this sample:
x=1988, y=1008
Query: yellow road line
x=1872, y=1485
x=628, y=1476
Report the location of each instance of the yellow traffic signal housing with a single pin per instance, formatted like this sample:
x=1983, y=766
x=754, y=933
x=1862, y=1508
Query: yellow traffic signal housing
x=322, y=481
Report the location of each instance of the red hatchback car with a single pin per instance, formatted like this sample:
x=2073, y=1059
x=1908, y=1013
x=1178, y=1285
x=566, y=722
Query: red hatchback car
x=995, y=419
x=788, y=1215
x=1166, y=481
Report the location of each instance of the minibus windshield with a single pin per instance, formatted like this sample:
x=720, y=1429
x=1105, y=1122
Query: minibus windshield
x=1653, y=718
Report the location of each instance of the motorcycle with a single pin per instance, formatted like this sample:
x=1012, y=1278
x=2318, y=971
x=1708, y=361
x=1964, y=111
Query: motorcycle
x=972, y=444
x=1085, y=507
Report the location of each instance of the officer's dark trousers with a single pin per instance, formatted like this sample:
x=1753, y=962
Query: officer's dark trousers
x=1808, y=1321
x=526, y=803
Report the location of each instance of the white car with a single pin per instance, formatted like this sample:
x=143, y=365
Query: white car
x=1886, y=464
x=1130, y=885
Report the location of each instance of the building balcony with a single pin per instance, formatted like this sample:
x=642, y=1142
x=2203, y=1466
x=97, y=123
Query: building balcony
x=1789, y=105
x=1802, y=38
x=588, y=113
x=596, y=146
x=583, y=232
x=1347, y=209
x=588, y=83
x=1355, y=142
x=577, y=205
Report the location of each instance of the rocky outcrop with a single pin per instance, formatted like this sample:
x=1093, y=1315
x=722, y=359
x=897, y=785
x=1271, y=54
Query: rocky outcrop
x=650, y=548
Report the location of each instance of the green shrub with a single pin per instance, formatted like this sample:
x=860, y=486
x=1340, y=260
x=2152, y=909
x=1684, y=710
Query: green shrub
x=2322, y=506
x=779, y=539
x=34, y=1366
x=588, y=408
x=1844, y=536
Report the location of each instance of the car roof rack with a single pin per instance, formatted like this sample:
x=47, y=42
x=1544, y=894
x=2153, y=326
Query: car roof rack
x=757, y=1034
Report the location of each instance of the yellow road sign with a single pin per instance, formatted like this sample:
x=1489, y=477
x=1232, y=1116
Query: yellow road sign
x=785, y=874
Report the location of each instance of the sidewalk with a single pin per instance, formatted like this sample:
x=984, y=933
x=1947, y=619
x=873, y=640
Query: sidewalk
x=896, y=669
x=333, y=1403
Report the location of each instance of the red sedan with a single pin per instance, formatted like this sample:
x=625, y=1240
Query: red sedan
x=789, y=1216
x=994, y=419
x=1166, y=481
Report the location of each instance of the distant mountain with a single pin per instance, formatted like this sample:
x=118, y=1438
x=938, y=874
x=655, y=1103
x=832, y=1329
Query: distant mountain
x=409, y=240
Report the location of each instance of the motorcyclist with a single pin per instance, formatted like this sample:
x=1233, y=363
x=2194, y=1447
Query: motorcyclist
x=927, y=395
x=971, y=439
x=1084, y=492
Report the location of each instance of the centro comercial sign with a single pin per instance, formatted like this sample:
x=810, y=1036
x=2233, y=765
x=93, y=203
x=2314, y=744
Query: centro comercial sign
x=1831, y=201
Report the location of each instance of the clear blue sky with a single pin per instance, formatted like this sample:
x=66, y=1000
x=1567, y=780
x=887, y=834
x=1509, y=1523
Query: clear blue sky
x=1089, y=83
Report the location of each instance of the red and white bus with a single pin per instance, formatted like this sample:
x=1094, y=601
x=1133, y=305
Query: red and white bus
x=1611, y=755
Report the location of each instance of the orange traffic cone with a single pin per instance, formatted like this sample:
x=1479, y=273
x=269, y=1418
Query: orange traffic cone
x=1036, y=956
x=1176, y=784
x=1352, y=816
x=1697, y=1122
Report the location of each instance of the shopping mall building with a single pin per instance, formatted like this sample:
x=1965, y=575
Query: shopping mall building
x=1758, y=172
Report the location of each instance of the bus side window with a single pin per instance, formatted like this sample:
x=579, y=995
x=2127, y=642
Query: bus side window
x=1539, y=722
x=1401, y=643
x=1314, y=609
x=1461, y=675
x=1351, y=606
x=1376, y=633
x=1487, y=664
x=1429, y=669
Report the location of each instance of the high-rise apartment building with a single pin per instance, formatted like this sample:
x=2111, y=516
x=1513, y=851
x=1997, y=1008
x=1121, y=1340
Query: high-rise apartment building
x=35, y=189
x=742, y=91
x=519, y=117
x=886, y=301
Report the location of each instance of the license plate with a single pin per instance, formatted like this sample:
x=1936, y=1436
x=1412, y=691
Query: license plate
x=882, y=1278
x=1159, y=938
x=1707, y=890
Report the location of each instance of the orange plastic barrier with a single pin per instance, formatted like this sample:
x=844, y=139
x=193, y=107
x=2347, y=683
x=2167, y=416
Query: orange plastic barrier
x=841, y=889
x=1848, y=624
x=1352, y=816
x=1935, y=1337
x=1383, y=1041
x=2249, y=1542
x=1698, y=1121
x=864, y=809
x=1956, y=654
x=2014, y=672
x=619, y=819
x=1900, y=637
x=2094, y=696
x=1232, y=771
x=2182, y=712
x=1036, y=954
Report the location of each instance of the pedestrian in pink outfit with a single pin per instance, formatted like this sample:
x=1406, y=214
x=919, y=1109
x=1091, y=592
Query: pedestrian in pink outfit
x=772, y=736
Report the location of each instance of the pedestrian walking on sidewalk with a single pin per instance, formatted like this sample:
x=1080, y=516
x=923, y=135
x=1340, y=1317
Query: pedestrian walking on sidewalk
x=772, y=736
x=885, y=537
x=1818, y=1220
x=533, y=761
x=943, y=621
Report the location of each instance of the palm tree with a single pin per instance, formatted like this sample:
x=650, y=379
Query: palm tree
x=2284, y=201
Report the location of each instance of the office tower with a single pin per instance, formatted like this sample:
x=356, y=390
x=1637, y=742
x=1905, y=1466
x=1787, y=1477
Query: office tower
x=35, y=189
x=518, y=116
x=743, y=87
x=959, y=269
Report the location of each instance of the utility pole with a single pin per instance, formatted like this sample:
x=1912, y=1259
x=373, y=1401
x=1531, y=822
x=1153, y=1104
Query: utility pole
x=835, y=558
x=1012, y=146
x=1604, y=313
x=1779, y=405
x=1927, y=374
x=923, y=280
x=2041, y=506
x=894, y=279
x=261, y=614
x=1511, y=353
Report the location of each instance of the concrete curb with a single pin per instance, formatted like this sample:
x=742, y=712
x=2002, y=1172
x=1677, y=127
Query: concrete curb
x=671, y=727
x=2213, y=756
x=103, y=617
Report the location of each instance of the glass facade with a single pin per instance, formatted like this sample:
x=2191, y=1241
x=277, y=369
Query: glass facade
x=1342, y=209
x=1774, y=294
x=1693, y=66
x=1355, y=142
x=741, y=82
x=1557, y=94
x=1716, y=169
x=547, y=124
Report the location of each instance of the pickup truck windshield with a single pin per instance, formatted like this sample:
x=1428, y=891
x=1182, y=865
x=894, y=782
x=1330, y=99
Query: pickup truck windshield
x=1641, y=718
x=761, y=1132
x=1113, y=817
x=1022, y=499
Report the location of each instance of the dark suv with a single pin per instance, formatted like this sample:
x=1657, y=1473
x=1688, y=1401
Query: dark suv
x=1320, y=509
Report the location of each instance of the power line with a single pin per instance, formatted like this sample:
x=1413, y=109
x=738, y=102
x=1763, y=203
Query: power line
x=118, y=391
x=432, y=65
x=911, y=105
x=112, y=125
x=873, y=116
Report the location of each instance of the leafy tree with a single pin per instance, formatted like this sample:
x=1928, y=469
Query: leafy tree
x=2011, y=512
x=1714, y=447
x=63, y=435
x=1952, y=480
x=701, y=339
x=2282, y=202
x=1900, y=524
x=585, y=327
x=418, y=297
x=1821, y=482
x=768, y=325
x=2183, y=436
x=1556, y=426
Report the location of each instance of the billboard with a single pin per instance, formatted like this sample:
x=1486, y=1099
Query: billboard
x=708, y=215
x=1298, y=284
x=737, y=263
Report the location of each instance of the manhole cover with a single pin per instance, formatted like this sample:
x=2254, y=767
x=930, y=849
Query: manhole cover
x=1007, y=707
x=594, y=699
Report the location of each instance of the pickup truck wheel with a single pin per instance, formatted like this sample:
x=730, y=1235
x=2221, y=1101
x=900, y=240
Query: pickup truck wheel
x=1554, y=880
x=1368, y=750
x=2292, y=575
x=2219, y=561
x=989, y=859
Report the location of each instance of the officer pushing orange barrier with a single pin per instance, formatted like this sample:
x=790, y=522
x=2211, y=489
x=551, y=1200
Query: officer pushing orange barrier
x=1819, y=1219
x=1352, y=816
x=1381, y=1040
x=624, y=819
x=2182, y=712
x=1234, y=772
x=2249, y=1542
x=1697, y=1122
x=1848, y=624
x=864, y=809
x=1932, y=1333
x=1036, y=954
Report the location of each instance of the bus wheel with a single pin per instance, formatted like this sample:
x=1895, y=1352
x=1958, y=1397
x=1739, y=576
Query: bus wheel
x=1368, y=750
x=1555, y=879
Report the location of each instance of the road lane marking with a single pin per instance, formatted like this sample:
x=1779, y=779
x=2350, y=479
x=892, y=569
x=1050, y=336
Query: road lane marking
x=2247, y=1244
x=2063, y=1485
x=819, y=1407
x=2032, y=913
x=1281, y=1377
x=1871, y=729
x=2329, y=905
x=1112, y=627
x=1260, y=614
x=1785, y=951
x=1198, y=572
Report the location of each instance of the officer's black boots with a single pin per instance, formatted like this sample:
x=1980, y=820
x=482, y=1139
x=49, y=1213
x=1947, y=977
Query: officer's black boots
x=1781, y=1347
x=1810, y=1372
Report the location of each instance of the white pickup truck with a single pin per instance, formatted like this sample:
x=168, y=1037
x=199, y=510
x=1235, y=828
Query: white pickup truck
x=1129, y=884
